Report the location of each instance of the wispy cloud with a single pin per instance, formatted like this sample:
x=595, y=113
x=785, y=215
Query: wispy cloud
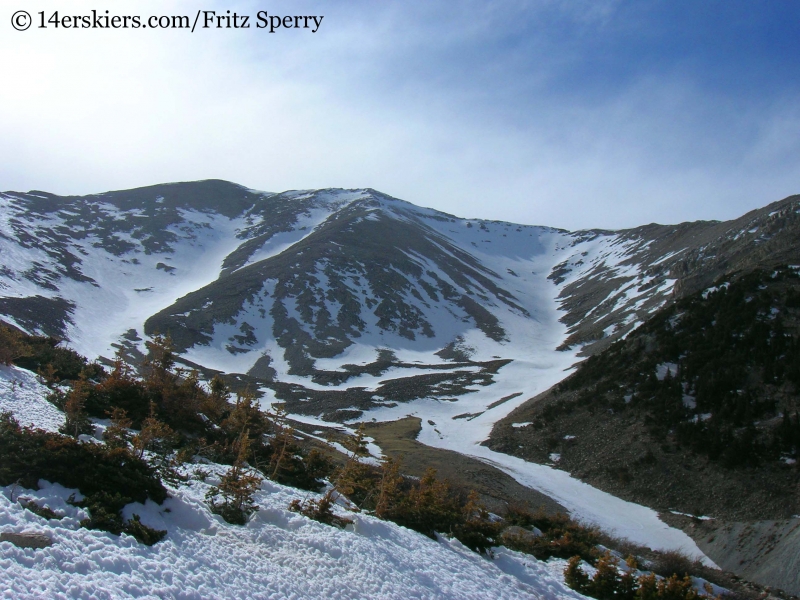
x=574, y=114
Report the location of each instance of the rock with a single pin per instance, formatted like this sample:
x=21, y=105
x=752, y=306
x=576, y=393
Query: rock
x=519, y=534
x=27, y=540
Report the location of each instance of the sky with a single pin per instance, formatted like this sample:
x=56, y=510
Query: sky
x=569, y=113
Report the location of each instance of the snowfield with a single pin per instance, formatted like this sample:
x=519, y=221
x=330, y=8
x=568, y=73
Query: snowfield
x=22, y=394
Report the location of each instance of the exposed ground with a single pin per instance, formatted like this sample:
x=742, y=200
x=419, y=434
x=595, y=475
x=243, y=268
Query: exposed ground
x=497, y=490
x=398, y=440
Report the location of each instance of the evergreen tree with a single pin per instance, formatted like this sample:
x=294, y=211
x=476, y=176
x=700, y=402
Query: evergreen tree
x=155, y=436
x=77, y=420
x=118, y=435
x=233, y=498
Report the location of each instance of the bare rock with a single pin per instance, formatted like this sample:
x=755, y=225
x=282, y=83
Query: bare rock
x=27, y=540
x=519, y=534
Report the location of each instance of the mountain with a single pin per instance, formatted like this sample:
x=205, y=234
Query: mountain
x=352, y=306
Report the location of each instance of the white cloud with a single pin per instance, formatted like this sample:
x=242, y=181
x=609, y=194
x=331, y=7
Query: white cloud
x=423, y=102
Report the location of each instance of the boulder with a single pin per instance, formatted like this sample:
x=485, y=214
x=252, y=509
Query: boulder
x=27, y=540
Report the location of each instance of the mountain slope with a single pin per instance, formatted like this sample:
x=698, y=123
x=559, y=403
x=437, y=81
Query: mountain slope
x=350, y=305
x=697, y=412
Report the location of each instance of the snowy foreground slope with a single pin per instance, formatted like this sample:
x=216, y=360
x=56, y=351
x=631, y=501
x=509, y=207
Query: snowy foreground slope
x=278, y=554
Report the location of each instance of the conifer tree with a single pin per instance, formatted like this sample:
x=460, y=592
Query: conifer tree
x=77, y=420
x=354, y=480
x=215, y=404
x=233, y=498
x=477, y=530
x=155, y=436
x=281, y=443
x=389, y=488
x=627, y=581
x=47, y=374
x=606, y=580
x=117, y=435
x=429, y=506
x=575, y=577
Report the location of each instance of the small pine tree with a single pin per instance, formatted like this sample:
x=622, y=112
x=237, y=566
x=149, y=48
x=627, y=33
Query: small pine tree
x=477, y=531
x=575, y=577
x=320, y=510
x=429, y=507
x=281, y=444
x=77, y=420
x=389, y=488
x=233, y=498
x=155, y=436
x=606, y=580
x=357, y=444
x=162, y=354
x=118, y=435
x=677, y=588
x=627, y=581
x=648, y=587
x=355, y=479
x=47, y=374
x=245, y=414
x=215, y=404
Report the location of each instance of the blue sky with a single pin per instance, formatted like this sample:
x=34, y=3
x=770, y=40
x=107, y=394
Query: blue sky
x=575, y=113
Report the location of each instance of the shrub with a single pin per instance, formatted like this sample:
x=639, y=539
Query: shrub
x=119, y=390
x=561, y=536
x=674, y=562
x=428, y=507
x=42, y=511
x=143, y=533
x=609, y=583
x=12, y=345
x=104, y=510
x=320, y=510
x=43, y=354
x=477, y=531
x=33, y=454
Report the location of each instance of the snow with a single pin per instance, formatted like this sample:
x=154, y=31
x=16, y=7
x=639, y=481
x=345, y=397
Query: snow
x=280, y=242
x=715, y=288
x=278, y=554
x=627, y=520
x=666, y=368
x=23, y=395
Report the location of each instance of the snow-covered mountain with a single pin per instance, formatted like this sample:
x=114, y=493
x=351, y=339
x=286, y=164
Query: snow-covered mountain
x=350, y=305
x=333, y=288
